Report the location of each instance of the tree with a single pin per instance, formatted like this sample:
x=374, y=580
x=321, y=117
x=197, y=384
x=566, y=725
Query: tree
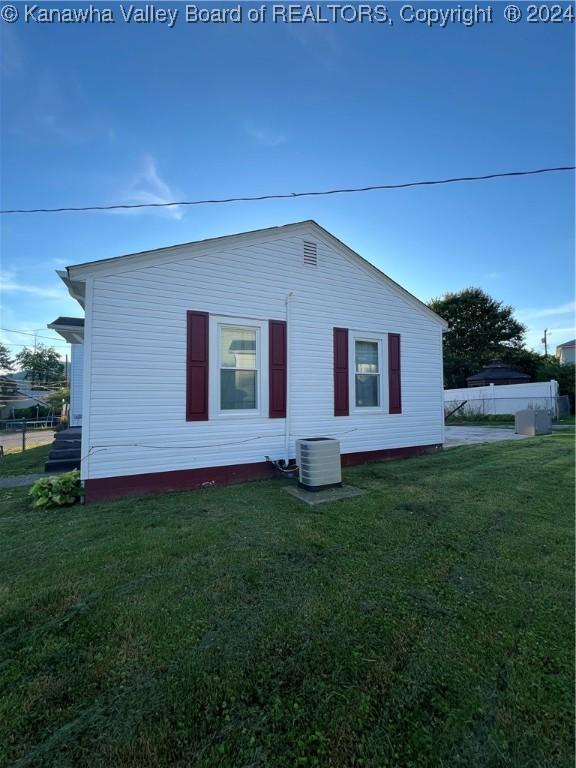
x=482, y=329
x=54, y=399
x=6, y=362
x=41, y=365
x=565, y=374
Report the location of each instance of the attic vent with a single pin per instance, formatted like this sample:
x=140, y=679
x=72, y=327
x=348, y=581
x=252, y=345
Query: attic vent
x=310, y=254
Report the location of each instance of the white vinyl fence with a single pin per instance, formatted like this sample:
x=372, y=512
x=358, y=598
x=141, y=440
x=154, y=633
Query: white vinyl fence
x=503, y=400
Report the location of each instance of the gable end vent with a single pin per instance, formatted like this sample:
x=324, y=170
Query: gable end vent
x=310, y=254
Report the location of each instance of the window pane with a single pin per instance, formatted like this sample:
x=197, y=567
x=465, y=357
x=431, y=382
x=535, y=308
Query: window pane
x=237, y=390
x=367, y=389
x=367, y=357
x=238, y=347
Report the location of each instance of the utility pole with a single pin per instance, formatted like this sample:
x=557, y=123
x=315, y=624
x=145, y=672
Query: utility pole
x=544, y=341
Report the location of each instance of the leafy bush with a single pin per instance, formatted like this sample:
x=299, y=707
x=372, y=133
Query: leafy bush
x=56, y=398
x=32, y=412
x=480, y=418
x=58, y=491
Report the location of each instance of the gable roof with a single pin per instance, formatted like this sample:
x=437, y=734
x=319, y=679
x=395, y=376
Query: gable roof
x=77, y=273
x=567, y=344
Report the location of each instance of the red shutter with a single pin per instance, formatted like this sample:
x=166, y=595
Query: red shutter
x=197, y=366
x=341, y=407
x=277, y=368
x=394, y=384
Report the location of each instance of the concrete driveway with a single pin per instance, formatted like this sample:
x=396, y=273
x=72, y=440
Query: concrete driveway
x=454, y=436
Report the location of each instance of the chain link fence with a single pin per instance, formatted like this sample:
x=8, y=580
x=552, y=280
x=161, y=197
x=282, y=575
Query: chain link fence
x=20, y=434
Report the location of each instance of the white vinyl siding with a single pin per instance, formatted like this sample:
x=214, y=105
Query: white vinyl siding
x=137, y=316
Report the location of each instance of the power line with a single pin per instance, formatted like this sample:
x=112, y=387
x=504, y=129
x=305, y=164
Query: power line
x=29, y=333
x=16, y=344
x=289, y=195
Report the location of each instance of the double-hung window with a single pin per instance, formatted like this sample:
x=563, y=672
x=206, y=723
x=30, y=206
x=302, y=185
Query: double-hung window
x=367, y=373
x=239, y=368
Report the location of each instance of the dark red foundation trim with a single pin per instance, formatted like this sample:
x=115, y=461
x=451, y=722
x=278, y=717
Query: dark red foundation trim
x=106, y=488
x=388, y=454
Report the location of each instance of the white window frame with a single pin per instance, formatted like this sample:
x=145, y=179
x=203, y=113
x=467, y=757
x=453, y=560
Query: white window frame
x=214, y=367
x=382, y=340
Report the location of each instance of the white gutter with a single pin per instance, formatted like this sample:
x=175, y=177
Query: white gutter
x=288, y=368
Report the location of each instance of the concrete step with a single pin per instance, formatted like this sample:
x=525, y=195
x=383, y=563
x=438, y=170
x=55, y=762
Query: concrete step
x=64, y=453
x=75, y=433
x=67, y=435
x=67, y=444
x=61, y=465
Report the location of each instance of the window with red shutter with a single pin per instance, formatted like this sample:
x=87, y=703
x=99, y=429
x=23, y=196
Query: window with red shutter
x=341, y=404
x=197, y=366
x=277, y=368
x=394, y=374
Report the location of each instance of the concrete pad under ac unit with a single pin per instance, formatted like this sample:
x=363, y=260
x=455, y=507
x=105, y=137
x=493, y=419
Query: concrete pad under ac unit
x=314, y=498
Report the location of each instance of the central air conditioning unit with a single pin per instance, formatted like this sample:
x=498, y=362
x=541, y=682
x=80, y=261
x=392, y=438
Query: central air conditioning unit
x=318, y=459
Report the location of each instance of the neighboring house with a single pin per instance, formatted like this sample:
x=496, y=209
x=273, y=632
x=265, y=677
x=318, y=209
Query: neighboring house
x=72, y=330
x=8, y=396
x=566, y=353
x=203, y=359
x=16, y=394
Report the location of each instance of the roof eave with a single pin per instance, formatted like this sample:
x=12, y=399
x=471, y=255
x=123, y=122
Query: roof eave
x=76, y=288
x=70, y=333
x=76, y=274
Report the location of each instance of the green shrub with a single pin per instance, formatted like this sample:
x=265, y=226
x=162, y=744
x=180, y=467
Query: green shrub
x=32, y=412
x=58, y=491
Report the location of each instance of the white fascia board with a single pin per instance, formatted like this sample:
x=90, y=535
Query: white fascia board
x=173, y=253
x=76, y=289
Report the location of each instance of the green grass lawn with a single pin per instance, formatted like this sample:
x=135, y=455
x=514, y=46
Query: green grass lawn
x=24, y=463
x=428, y=623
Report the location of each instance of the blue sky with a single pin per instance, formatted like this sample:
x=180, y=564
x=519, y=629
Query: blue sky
x=101, y=113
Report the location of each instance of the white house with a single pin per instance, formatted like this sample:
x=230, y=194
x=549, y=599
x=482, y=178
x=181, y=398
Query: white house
x=202, y=359
x=566, y=353
x=72, y=330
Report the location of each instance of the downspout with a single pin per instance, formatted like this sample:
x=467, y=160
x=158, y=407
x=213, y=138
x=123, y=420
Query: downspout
x=288, y=369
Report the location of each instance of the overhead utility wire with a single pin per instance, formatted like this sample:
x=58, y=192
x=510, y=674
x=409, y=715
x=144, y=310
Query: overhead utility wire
x=289, y=195
x=29, y=333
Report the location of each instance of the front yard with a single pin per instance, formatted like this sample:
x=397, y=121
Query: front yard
x=428, y=623
x=24, y=462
